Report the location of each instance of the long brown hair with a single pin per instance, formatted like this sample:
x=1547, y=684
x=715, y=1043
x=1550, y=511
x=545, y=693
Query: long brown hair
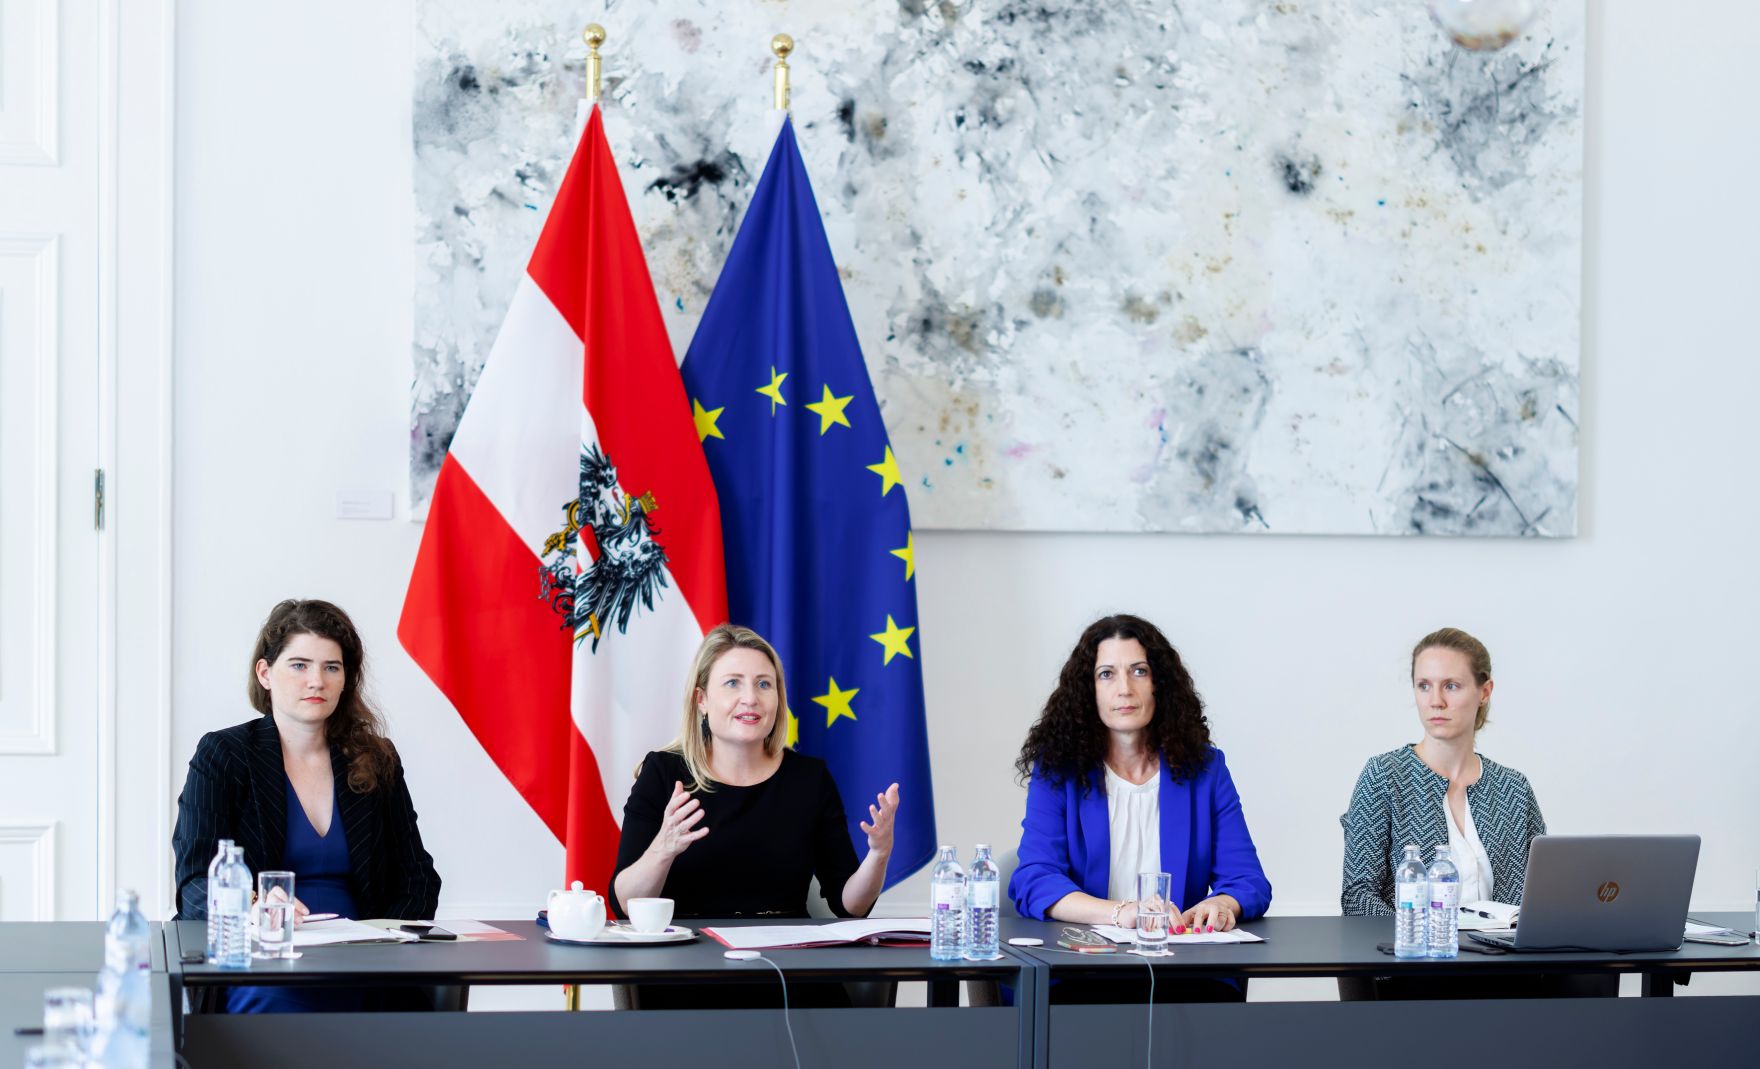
x=355, y=727
x=1069, y=740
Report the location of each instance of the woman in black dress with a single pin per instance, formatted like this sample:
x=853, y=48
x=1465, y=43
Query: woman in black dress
x=729, y=822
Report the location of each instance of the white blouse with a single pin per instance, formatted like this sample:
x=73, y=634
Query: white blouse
x=1469, y=857
x=1133, y=817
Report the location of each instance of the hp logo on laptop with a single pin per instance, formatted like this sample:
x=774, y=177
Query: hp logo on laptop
x=1607, y=892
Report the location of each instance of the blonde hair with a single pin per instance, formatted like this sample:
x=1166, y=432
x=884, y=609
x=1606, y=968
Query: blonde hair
x=693, y=742
x=1453, y=638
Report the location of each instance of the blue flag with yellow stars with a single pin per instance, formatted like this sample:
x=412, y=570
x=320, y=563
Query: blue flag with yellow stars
x=814, y=522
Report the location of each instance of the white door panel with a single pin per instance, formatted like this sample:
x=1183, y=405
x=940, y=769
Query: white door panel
x=49, y=311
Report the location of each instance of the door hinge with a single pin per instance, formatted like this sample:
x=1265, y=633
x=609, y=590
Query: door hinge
x=98, y=499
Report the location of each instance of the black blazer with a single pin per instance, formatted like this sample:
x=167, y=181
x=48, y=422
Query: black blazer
x=237, y=789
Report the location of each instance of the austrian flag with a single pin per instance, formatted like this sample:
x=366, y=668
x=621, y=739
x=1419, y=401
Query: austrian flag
x=572, y=557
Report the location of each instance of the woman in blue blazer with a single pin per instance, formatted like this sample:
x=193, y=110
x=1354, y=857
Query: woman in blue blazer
x=1121, y=778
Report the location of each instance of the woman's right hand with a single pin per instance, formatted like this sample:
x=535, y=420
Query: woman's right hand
x=678, y=825
x=1127, y=914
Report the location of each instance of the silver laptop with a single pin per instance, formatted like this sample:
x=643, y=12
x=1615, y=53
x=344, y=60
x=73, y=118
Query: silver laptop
x=1604, y=892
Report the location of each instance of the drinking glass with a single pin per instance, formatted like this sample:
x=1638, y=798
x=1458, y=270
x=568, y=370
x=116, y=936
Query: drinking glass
x=1154, y=905
x=274, y=912
x=53, y=1056
x=67, y=1018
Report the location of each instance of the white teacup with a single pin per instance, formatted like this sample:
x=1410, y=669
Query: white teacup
x=650, y=915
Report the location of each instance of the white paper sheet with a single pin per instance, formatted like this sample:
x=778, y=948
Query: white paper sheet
x=1129, y=935
x=469, y=929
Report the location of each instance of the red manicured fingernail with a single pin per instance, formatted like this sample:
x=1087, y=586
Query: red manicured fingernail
x=1179, y=929
x=1209, y=927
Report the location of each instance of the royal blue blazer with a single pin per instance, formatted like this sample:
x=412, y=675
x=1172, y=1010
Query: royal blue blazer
x=1066, y=842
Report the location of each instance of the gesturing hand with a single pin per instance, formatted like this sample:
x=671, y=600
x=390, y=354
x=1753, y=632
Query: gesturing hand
x=880, y=831
x=678, y=824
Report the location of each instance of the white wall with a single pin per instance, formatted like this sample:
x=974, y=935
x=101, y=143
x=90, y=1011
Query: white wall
x=1624, y=656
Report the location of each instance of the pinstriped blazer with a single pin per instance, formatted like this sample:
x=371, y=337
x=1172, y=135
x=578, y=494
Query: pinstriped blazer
x=237, y=789
x=1399, y=800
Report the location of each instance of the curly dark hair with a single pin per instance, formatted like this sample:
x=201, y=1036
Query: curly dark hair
x=355, y=726
x=1069, y=740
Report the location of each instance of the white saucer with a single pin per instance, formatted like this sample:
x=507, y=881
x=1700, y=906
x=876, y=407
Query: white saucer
x=622, y=935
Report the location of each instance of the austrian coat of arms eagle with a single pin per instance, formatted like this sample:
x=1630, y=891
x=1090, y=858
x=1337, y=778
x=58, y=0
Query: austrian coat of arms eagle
x=593, y=594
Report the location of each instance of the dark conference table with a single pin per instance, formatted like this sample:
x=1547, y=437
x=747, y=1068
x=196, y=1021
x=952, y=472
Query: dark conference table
x=845, y=1037
x=1706, y=1030
x=1653, y=1030
x=35, y=957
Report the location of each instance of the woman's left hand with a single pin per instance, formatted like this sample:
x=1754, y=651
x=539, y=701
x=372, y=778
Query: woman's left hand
x=880, y=831
x=1217, y=913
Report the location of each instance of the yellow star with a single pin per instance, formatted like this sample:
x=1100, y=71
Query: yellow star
x=894, y=640
x=794, y=729
x=836, y=702
x=774, y=390
x=887, y=469
x=705, y=418
x=908, y=554
x=830, y=409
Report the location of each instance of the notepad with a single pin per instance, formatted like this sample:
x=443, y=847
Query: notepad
x=886, y=932
x=1129, y=935
x=1487, y=916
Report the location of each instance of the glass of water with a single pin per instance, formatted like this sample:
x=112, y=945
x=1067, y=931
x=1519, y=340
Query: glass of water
x=1154, y=908
x=67, y=1018
x=274, y=914
x=53, y=1056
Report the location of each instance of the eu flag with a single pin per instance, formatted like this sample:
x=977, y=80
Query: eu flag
x=814, y=523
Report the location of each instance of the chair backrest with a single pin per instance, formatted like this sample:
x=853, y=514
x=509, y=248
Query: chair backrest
x=1006, y=864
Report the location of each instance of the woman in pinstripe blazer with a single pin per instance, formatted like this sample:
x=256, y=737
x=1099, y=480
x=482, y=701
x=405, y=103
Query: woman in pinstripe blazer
x=313, y=780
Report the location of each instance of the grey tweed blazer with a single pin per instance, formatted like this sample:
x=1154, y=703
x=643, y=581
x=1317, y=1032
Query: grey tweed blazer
x=1398, y=800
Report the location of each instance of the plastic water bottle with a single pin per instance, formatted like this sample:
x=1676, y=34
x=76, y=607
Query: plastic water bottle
x=123, y=1007
x=947, y=908
x=1445, y=902
x=1411, y=907
x=229, y=897
x=983, y=898
x=214, y=900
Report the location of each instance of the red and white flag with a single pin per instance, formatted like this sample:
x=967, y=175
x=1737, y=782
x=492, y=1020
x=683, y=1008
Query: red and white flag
x=572, y=558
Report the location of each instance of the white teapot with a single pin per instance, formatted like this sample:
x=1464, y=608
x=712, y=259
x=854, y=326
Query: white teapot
x=576, y=914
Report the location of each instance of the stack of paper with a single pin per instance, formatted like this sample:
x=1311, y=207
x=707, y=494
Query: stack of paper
x=778, y=936
x=342, y=930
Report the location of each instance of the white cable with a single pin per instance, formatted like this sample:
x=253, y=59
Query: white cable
x=1149, y=1047
x=790, y=1026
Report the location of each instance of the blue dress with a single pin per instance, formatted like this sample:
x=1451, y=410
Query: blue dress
x=320, y=868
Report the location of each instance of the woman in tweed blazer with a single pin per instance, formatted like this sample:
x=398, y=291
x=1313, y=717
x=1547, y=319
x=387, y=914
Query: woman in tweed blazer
x=1441, y=790
x=316, y=762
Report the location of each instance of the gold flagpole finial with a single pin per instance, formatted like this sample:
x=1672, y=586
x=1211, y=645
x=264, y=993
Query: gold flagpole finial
x=782, y=45
x=594, y=35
